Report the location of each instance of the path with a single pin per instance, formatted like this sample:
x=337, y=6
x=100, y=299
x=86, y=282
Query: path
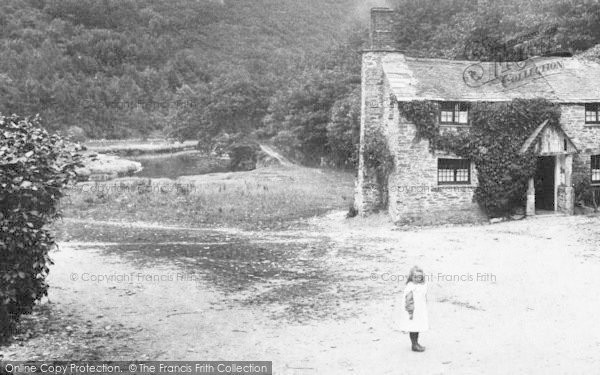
x=274, y=154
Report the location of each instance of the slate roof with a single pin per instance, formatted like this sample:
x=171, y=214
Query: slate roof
x=559, y=79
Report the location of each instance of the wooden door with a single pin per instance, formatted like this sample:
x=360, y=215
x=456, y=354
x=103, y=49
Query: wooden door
x=544, y=183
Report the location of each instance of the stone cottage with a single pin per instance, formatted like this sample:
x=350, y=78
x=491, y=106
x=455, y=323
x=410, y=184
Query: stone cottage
x=428, y=187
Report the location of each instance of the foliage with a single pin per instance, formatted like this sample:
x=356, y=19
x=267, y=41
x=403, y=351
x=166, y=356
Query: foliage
x=317, y=113
x=115, y=67
x=378, y=158
x=493, y=143
x=304, y=112
x=585, y=193
x=35, y=166
x=76, y=134
x=425, y=113
x=286, y=142
x=430, y=28
x=243, y=156
x=233, y=104
x=343, y=130
x=196, y=69
x=504, y=30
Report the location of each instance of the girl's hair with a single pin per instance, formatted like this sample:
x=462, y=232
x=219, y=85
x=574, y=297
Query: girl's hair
x=411, y=274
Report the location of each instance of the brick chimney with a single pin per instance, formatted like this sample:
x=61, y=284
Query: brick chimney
x=382, y=29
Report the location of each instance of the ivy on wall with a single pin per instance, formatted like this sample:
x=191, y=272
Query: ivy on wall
x=587, y=194
x=493, y=142
x=425, y=113
x=378, y=158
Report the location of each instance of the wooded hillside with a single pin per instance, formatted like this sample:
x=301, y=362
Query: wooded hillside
x=230, y=70
x=90, y=62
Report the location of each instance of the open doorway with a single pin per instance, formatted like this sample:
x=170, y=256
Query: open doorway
x=544, y=183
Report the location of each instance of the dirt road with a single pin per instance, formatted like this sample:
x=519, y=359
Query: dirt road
x=512, y=297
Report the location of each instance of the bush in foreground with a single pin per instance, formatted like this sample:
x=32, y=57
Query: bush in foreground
x=34, y=167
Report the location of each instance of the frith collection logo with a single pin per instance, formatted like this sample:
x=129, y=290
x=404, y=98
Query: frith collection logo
x=509, y=74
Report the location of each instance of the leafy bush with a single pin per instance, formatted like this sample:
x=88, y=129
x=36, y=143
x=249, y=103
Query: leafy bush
x=76, y=134
x=318, y=113
x=343, y=130
x=35, y=166
x=243, y=156
x=425, y=114
x=586, y=194
x=288, y=144
x=378, y=158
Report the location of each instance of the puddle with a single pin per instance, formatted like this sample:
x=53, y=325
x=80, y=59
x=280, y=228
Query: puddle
x=232, y=267
x=300, y=278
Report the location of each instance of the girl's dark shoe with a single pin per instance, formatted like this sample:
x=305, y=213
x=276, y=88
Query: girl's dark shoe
x=414, y=339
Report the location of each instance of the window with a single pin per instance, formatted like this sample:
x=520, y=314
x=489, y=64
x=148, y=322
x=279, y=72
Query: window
x=596, y=168
x=592, y=113
x=454, y=171
x=454, y=113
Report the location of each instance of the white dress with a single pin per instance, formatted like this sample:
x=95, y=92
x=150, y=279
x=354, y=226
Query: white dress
x=420, y=321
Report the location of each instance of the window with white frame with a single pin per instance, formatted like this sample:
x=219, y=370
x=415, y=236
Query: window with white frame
x=592, y=113
x=596, y=168
x=454, y=171
x=454, y=113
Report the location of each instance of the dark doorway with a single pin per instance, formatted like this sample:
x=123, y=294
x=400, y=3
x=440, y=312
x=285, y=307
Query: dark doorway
x=544, y=183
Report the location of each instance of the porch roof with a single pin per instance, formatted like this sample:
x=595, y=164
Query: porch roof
x=549, y=139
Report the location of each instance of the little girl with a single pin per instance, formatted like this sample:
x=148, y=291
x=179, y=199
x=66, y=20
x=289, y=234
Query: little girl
x=414, y=307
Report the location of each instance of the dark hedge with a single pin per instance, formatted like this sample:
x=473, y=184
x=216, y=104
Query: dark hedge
x=34, y=167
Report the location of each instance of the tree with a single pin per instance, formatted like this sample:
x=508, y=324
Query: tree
x=301, y=112
x=233, y=104
x=343, y=130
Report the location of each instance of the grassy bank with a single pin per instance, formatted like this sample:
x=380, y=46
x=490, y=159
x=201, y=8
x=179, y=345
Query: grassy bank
x=264, y=198
x=106, y=167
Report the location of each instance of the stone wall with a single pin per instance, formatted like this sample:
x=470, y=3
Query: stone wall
x=415, y=196
x=585, y=136
x=565, y=199
x=368, y=192
x=413, y=192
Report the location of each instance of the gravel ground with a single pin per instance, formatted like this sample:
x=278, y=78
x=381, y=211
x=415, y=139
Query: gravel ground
x=516, y=296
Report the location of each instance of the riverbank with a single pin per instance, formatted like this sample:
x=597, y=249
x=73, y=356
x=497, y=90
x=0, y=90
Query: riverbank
x=271, y=197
